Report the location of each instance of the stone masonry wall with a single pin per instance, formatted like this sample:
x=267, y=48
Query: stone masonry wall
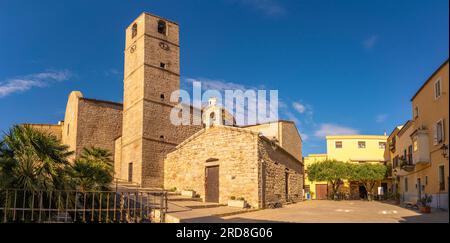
x=275, y=163
x=235, y=152
x=291, y=140
x=118, y=157
x=99, y=124
x=70, y=127
x=55, y=130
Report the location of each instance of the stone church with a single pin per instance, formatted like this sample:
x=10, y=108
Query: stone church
x=261, y=163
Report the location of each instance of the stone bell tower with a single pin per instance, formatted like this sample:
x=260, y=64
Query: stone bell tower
x=151, y=74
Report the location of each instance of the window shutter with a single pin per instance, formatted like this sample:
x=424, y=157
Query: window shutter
x=435, y=139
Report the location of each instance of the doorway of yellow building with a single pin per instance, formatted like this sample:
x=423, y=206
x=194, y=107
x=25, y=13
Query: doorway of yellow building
x=362, y=192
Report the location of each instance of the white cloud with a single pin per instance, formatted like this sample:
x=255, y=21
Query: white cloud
x=298, y=111
x=292, y=117
x=267, y=7
x=329, y=129
x=22, y=84
x=299, y=107
x=381, y=118
x=304, y=136
x=113, y=72
x=370, y=42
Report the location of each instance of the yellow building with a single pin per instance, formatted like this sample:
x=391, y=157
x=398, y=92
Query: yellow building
x=348, y=148
x=313, y=187
x=357, y=148
x=419, y=152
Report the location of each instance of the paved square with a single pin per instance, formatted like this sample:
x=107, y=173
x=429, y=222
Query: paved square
x=340, y=212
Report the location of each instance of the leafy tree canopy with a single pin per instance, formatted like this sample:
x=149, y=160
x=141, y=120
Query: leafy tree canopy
x=368, y=172
x=93, y=170
x=34, y=160
x=328, y=170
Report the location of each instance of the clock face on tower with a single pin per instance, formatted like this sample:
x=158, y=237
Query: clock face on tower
x=133, y=49
x=164, y=46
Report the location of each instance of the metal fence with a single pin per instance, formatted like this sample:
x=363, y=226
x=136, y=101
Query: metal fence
x=24, y=206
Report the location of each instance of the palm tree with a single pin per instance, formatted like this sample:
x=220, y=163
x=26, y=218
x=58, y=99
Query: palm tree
x=33, y=160
x=93, y=171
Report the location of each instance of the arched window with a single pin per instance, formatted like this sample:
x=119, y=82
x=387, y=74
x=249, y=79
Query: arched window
x=162, y=27
x=212, y=115
x=134, y=30
x=162, y=97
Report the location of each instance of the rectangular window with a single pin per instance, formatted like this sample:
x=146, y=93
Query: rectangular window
x=382, y=145
x=416, y=112
x=361, y=144
x=396, y=162
x=338, y=145
x=437, y=89
x=130, y=172
x=415, y=145
x=406, y=184
x=439, y=132
x=426, y=180
x=441, y=178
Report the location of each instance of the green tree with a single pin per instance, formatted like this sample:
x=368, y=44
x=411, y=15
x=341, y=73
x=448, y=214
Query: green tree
x=331, y=171
x=32, y=160
x=369, y=175
x=93, y=170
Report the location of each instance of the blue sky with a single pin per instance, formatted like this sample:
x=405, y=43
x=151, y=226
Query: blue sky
x=340, y=66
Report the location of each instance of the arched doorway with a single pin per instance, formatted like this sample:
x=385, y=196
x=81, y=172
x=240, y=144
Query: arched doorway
x=362, y=192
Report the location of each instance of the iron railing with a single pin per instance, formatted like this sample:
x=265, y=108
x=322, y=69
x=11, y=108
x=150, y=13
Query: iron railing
x=82, y=207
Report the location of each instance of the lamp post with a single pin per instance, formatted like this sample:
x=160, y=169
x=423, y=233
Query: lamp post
x=445, y=151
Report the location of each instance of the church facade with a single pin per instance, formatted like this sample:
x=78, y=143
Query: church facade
x=261, y=163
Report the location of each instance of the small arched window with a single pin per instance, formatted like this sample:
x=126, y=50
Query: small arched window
x=162, y=27
x=134, y=30
x=162, y=97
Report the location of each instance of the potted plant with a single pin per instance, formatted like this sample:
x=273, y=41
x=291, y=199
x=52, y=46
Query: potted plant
x=424, y=203
x=188, y=193
x=236, y=203
x=396, y=198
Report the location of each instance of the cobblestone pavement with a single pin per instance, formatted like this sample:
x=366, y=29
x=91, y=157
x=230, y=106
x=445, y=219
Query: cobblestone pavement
x=339, y=212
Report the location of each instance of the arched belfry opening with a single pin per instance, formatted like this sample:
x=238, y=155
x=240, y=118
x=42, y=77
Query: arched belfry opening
x=134, y=30
x=162, y=27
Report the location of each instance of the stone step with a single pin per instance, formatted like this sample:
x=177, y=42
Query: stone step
x=242, y=211
x=195, y=204
x=206, y=206
x=179, y=198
